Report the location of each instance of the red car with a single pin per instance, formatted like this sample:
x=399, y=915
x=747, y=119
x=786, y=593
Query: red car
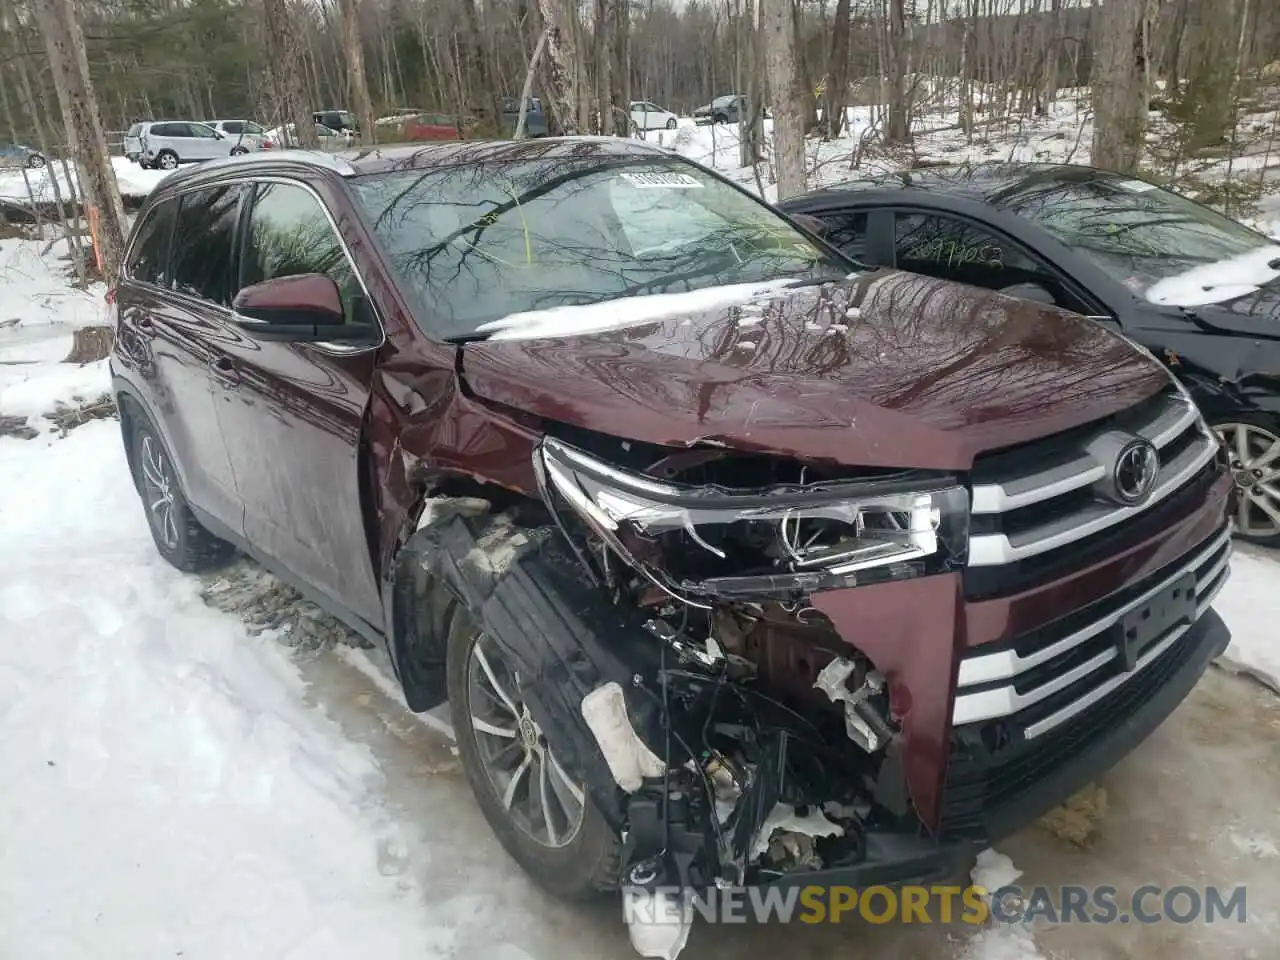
x=430, y=126
x=690, y=518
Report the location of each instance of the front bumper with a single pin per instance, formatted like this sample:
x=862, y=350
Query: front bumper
x=1099, y=739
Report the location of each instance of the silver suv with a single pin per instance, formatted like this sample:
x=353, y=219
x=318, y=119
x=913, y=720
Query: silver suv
x=252, y=136
x=167, y=143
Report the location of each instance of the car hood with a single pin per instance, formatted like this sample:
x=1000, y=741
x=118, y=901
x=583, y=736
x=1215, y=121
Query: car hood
x=881, y=370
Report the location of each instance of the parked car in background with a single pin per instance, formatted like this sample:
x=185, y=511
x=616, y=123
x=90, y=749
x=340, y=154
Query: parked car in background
x=246, y=133
x=168, y=143
x=535, y=121
x=329, y=138
x=726, y=109
x=428, y=127
x=1197, y=289
x=682, y=516
x=343, y=121
x=649, y=116
x=21, y=155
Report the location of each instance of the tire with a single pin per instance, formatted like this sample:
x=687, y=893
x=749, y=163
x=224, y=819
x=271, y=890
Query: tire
x=176, y=532
x=35, y=161
x=720, y=118
x=671, y=124
x=584, y=867
x=1254, y=484
x=238, y=151
x=167, y=160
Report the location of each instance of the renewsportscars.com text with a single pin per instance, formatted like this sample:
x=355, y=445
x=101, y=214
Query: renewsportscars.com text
x=940, y=904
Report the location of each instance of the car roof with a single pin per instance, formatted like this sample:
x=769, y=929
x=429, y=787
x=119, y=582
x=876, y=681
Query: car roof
x=996, y=183
x=352, y=163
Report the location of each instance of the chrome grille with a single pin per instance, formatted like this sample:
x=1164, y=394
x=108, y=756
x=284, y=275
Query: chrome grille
x=1044, y=680
x=1057, y=484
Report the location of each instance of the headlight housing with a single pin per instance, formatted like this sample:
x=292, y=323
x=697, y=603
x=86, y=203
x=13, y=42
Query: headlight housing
x=782, y=541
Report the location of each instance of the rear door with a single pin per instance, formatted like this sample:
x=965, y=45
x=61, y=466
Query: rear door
x=133, y=141
x=173, y=312
x=292, y=413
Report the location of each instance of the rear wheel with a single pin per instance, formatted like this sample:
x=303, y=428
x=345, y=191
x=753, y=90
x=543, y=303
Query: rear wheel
x=1253, y=444
x=671, y=124
x=176, y=532
x=238, y=151
x=35, y=161
x=167, y=160
x=542, y=817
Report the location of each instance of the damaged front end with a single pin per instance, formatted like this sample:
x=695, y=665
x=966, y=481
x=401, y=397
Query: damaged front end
x=662, y=628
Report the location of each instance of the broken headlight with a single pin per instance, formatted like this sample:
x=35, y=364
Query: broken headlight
x=783, y=539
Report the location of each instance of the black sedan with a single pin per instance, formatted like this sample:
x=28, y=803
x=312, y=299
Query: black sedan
x=1197, y=289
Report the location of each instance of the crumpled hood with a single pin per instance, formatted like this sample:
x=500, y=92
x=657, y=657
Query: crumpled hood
x=886, y=369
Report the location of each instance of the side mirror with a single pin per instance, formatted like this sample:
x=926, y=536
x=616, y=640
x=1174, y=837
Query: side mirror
x=306, y=308
x=813, y=224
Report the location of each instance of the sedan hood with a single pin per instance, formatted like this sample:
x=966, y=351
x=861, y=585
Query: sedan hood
x=881, y=370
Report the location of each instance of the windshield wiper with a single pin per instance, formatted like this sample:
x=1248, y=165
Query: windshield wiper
x=467, y=338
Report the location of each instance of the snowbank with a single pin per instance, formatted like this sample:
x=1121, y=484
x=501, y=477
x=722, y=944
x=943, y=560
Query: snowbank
x=131, y=178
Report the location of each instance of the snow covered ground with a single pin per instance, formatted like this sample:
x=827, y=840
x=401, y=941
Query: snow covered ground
x=133, y=181
x=180, y=781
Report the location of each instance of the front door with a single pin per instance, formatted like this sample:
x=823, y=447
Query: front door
x=292, y=412
x=205, y=144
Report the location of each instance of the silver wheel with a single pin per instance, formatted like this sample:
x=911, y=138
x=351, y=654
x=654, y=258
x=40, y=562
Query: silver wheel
x=538, y=796
x=159, y=491
x=1255, y=467
x=36, y=161
x=167, y=161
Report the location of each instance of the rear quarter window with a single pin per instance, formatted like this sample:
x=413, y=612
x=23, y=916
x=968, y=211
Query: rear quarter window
x=149, y=256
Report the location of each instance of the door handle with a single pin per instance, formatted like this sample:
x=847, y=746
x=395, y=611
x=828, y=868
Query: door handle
x=224, y=369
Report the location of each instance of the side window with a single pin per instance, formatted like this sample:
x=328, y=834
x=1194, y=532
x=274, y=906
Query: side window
x=233, y=126
x=955, y=249
x=289, y=234
x=201, y=131
x=203, y=245
x=149, y=258
x=161, y=130
x=847, y=232
x=252, y=128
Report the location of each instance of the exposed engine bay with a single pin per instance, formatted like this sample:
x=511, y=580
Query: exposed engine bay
x=658, y=620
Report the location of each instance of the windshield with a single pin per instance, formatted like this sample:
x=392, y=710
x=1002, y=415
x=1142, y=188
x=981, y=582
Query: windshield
x=476, y=242
x=1162, y=246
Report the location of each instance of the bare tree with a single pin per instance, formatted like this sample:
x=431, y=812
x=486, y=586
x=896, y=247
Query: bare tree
x=788, y=110
x=357, y=85
x=562, y=62
x=836, y=93
x=1119, y=85
x=527, y=90
x=898, y=127
x=285, y=68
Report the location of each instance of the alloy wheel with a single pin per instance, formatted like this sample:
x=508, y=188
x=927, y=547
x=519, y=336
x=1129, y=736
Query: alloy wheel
x=168, y=161
x=540, y=799
x=160, y=492
x=1255, y=467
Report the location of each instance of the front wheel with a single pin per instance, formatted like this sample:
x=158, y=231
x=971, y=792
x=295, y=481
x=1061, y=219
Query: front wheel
x=167, y=160
x=238, y=151
x=1253, y=444
x=35, y=161
x=671, y=124
x=542, y=817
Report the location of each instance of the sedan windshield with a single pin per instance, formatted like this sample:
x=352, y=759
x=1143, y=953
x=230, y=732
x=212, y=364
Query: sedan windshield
x=475, y=242
x=1162, y=246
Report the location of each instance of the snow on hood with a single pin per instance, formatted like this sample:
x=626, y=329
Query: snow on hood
x=1219, y=281
x=624, y=311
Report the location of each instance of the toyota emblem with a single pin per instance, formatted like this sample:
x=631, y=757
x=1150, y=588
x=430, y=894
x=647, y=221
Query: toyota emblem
x=1136, y=471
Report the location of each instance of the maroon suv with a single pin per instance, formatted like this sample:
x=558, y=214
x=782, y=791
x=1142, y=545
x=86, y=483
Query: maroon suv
x=709, y=538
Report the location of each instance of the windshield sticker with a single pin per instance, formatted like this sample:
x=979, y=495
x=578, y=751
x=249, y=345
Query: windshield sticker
x=660, y=181
x=1136, y=186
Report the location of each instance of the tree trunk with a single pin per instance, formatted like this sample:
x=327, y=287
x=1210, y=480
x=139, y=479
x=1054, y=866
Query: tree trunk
x=1119, y=90
x=286, y=73
x=898, y=127
x=604, y=80
x=562, y=59
x=64, y=41
x=357, y=83
x=621, y=70
x=836, y=95
x=89, y=344
x=527, y=90
x=788, y=111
